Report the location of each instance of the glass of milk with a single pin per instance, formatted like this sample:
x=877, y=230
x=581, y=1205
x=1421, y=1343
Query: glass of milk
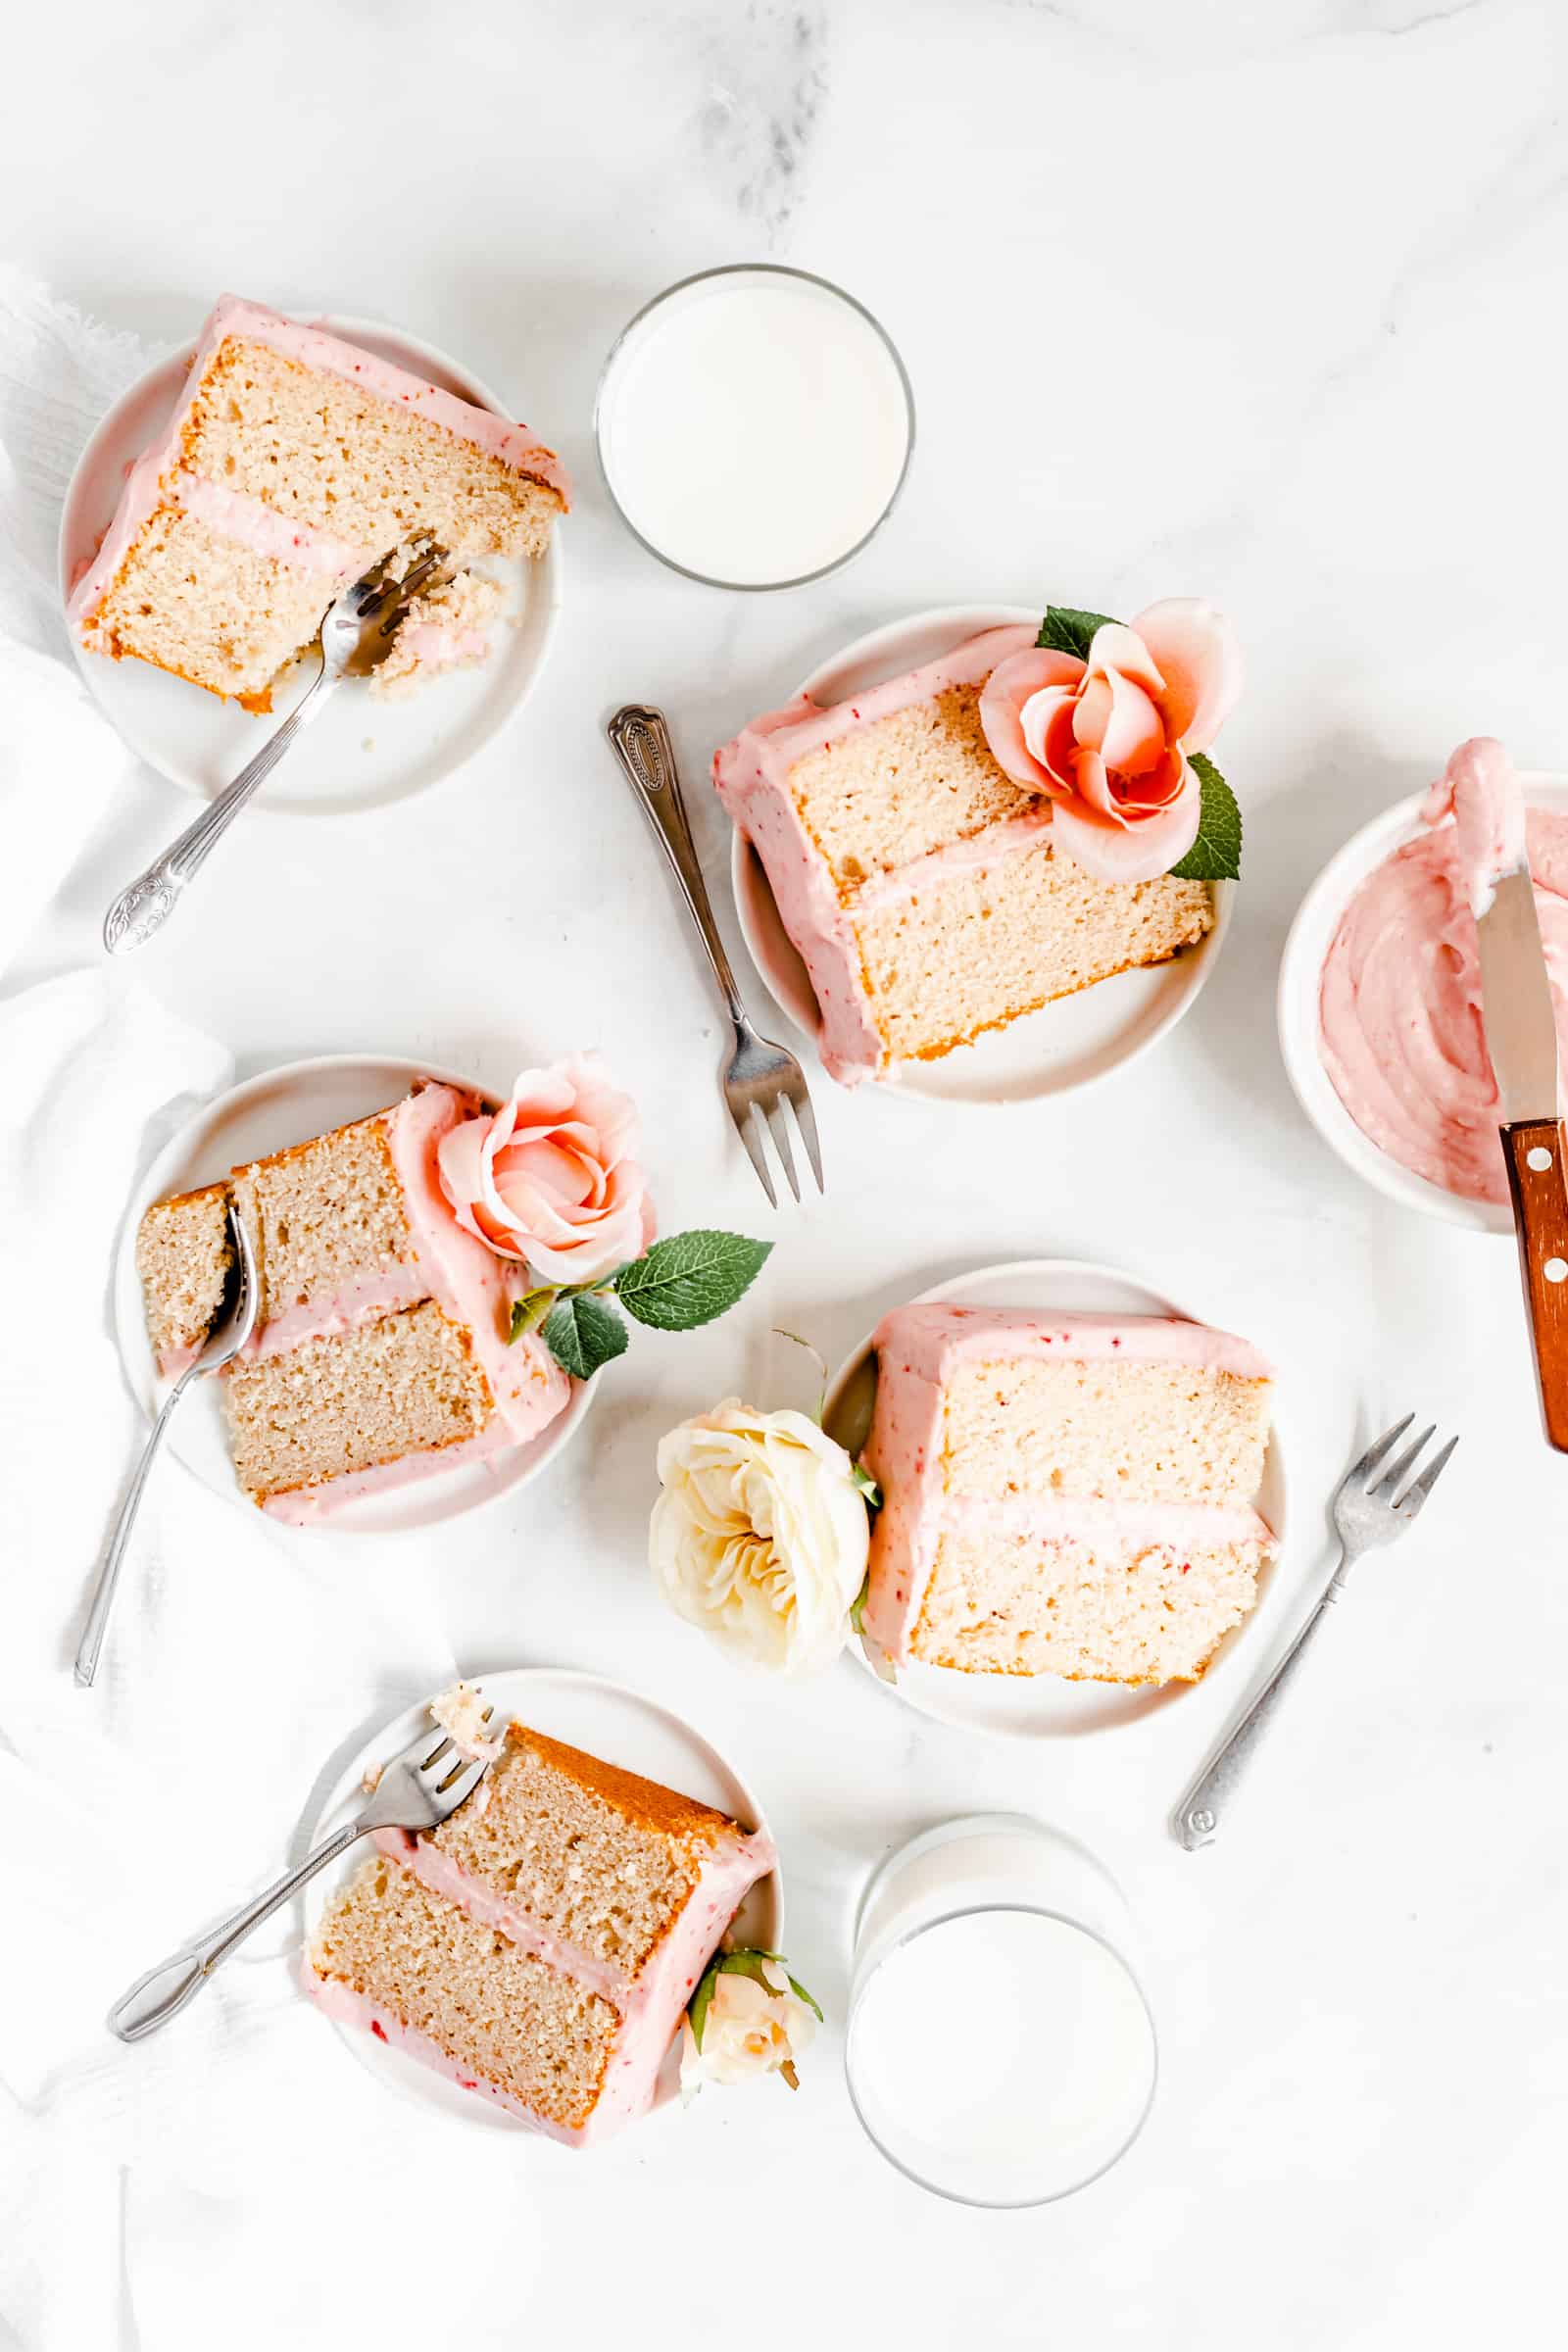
x=754, y=427
x=1000, y=2049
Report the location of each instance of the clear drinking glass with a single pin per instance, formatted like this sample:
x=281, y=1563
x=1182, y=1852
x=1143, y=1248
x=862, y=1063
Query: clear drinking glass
x=754, y=426
x=1000, y=2048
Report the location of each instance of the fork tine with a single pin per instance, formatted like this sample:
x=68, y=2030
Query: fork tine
x=779, y=1128
x=461, y=1784
x=805, y=1121
x=1416, y=1493
x=1394, y=1477
x=1363, y=1470
x=756, y=1148
x=436, y=1754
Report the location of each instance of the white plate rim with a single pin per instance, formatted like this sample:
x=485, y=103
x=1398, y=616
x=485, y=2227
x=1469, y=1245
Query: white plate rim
x=758, y=914
x=162, y=1175
x=1297, y=998
x=419, y=357
x=396, y=2072
x=1135, y=1705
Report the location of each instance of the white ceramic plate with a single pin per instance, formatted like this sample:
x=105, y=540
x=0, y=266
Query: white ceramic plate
x=362, y=752
x=605, y=1720
x=1061, y=1047
x=284, y=1106
x=1300, y=978
x=1041, y=1707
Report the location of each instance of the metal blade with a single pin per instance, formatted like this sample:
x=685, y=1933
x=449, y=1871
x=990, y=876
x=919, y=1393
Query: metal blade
x=1516, y=1008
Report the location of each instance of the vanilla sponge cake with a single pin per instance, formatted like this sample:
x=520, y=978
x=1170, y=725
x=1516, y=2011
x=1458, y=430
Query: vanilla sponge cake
x=383, y=1351
x=292, y=462
x=541, y=1946
x=918, y=883
x=1068, y=1496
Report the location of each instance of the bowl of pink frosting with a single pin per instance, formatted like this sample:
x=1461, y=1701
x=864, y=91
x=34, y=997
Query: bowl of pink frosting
x=1380, y=1004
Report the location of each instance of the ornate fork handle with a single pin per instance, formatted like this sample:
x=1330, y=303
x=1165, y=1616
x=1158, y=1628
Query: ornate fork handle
x=144, y=905
x=639, y=737
x=1197, y=1816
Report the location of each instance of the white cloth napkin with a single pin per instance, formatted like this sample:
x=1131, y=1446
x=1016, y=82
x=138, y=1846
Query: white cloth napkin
x=61, y=763
x=131, y=2179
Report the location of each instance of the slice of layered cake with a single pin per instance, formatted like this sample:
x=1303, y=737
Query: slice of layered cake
x=293, y=462
x=1064, y=1495
x=540, y=1947
x=919, y=883
x=382, y=1349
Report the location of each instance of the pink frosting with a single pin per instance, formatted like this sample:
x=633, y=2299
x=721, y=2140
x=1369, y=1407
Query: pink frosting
x=919, y=1348
x=158, y=472
x=1400, y=1027
x=651, y=2005
x=752, y=778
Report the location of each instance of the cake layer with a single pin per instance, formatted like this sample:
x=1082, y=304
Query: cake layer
x=964, y=947
x=1087, y=1608
x=398, y=1385
x=919, y=884
x=183, y=1254
x=596, y=1857
x=499, y=2018
x=1029, y=1461
x=208, y=608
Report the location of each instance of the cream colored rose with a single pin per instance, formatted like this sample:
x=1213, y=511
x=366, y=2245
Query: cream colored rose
x=761, y=1535
x=752, y=2027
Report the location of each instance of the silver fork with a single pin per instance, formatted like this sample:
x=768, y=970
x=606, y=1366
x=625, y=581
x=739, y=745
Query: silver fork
x=417, y=1790
x=355, y=636
x=1365, y=1515
x=760, y=1077
x=224, y=1343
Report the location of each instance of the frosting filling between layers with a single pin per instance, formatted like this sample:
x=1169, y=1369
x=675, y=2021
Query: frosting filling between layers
x=651, y=2005
x=752, y=778
x=906, y=1452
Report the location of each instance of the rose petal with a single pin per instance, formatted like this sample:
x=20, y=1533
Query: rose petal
x=1201, y=663
x=1002, y=701
x=1118, y=851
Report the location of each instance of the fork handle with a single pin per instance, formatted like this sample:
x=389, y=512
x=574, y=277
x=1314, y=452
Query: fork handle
x=1197, y=1816
x=104, y=1591
x=639, y=737
x=144, y=905
x=165, y=1990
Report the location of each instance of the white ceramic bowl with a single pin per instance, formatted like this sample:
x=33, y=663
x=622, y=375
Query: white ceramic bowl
x=1044, y=1706
x=1301, y=976
x=268, y=1113
x=604, y=1719
x=1055, y=1050
x=361, y=752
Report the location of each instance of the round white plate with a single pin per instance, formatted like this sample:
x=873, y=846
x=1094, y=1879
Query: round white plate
x=1063, y=1046
x=1300, y=982
x=268, y=1113
x=1040, y=1706
x=362, y=752
x=605, y=1720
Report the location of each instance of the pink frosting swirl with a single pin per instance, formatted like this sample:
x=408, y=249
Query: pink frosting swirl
x=1107, y=739
x=552, y=1179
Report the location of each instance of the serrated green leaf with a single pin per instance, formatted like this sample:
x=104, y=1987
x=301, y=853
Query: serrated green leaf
x=868, y=1487
x=701, y=2001
x=1216, y=854
x=582, y=1333
x=528, y=1312
x=690, y=1278
x=857, y=1606
x=1066, y=630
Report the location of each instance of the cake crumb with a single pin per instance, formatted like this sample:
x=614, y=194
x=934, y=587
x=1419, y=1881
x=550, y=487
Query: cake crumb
x=463, y=1713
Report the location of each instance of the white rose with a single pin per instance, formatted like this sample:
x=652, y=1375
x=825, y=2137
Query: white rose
x=751, y=2029
x=761, y=1535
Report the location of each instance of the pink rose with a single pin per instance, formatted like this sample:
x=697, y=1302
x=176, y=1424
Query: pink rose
x=1108, y=738
x=552, y=1179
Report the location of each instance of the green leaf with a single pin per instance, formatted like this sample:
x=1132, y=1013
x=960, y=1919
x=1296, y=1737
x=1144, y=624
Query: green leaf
x=857, y=1606
x=1066, y=630
x=868, y=1487
x=1216, y=854
x=702, y=2000
x=528, y=1312
x=581, y=1333
x=690, y=1279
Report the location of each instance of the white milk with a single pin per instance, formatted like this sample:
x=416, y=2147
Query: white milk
x=754, y=428
x=1003, y=2057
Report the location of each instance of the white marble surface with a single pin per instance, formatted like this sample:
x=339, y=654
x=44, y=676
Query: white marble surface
x=1260, y=303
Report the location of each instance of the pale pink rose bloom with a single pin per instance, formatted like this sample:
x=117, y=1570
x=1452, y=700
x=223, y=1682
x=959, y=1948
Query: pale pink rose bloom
x=1108, y=739
x=552, y=1180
